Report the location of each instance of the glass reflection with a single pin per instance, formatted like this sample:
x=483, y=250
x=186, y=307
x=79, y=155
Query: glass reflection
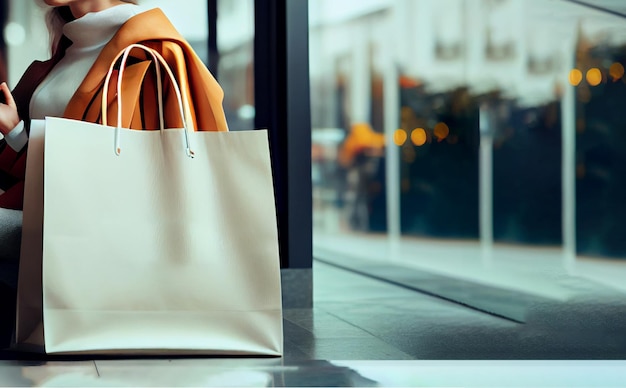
x=506, y=135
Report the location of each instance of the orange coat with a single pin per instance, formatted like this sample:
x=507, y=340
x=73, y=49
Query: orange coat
x=153, y=29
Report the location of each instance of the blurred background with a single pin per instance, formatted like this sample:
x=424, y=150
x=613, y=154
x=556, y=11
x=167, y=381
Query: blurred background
x=482, y=139
x=479, y=139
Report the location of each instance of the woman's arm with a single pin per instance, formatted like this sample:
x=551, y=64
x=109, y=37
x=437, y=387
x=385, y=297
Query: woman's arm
x=9, y=117
x=10, y=124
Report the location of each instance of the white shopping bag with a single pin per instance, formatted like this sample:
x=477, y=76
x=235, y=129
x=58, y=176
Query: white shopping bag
x=148, y=250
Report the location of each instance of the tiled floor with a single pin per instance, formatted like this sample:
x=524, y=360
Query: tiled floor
x=535, y=270
x=366, y=332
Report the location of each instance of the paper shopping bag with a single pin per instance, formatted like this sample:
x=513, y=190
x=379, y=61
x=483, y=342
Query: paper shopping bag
x=29, y=323
x=149, y=248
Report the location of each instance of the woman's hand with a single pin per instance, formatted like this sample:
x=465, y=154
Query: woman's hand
x=9, y=117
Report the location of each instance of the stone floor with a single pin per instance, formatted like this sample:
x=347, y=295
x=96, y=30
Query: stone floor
x=363, y=331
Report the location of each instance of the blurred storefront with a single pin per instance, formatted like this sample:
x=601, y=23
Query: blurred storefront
x=477, y=138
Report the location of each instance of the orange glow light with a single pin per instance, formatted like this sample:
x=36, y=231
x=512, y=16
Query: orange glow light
x=418, y=137
x=441, y=131
x=616, y=71
x=399, y=137
x=575, y=77
x=594, y=77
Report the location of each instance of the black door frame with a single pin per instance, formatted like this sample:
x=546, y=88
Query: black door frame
x=282, y=102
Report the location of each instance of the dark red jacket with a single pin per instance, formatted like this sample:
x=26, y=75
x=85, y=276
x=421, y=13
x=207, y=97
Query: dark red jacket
x=13, y=164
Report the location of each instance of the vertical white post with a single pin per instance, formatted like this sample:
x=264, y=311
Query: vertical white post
x=394, y=55
x=486, y=186
x=360, y=80
x=568, y=171
x=392, y=156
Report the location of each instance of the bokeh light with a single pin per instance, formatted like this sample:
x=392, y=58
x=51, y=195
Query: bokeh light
x=575, y=77
x=419, y=137
x=594, y=76
x=399, y=137
x=441, y=131
x=616, y=71
x=14, y=34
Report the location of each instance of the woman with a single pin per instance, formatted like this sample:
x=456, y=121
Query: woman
x=86, y=37
x=69, y=85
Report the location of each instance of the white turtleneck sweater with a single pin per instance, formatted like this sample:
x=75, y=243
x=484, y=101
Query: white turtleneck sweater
x=89, y=34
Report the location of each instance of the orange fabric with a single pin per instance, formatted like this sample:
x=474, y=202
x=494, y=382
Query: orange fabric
x=361, y=138
x=153, y=29
x=150, y=28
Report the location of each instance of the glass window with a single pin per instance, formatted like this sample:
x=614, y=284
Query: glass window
x=190, y=17
x=235, y=36
x=476, y=138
